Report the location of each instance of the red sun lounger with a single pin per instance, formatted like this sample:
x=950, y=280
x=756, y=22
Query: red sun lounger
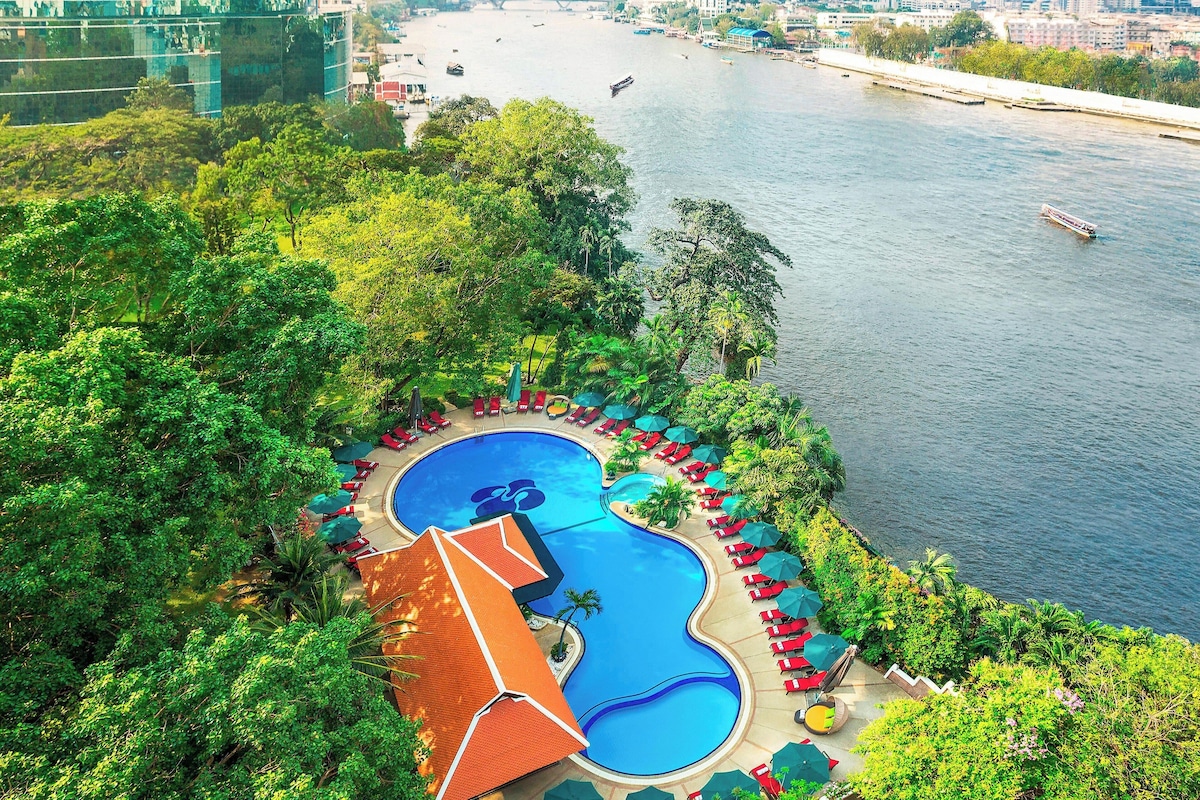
x=701, y=474
x=345, y=511
x=592, y=416
x=756, y=579
x=640, y=436
x=767, y=592
x=357, y=543
x=707, y=491
x=787, y=628
x=793, y=664
x=669, y=450
x=692, y=467
x=478, y=406
x=790, y=645
x=437, y=419
x=714, y=501
x=805, y=684
x=388, y=441
x=427, y=426
x=523, y=401
x=650, y=442
x=403, y=435
x=494, y=406
x=738, y=549
x=679, y=454
x=770, y=786
x=731, y=529
x=352, y=561
x=576, y=414
x=352, y=486
x=773, y=616
x=718, y=522
x=362, y=463
x=833, y=762
x=539, y=401
x=605, y=427
x=621, y=427
x=741, y=562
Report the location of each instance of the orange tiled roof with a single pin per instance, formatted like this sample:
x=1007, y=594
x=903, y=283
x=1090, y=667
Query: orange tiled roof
x=492, y=709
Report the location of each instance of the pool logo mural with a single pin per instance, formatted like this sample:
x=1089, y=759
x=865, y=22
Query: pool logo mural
x=520, y=495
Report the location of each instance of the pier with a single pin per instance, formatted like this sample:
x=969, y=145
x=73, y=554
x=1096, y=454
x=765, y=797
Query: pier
x=931, y=91
x=1192, y=137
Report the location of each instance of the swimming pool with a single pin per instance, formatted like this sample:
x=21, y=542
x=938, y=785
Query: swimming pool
x=649, y=697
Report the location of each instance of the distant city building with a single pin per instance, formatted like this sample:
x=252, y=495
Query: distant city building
x=747, y=38
x=711, y=8
x=927, y=18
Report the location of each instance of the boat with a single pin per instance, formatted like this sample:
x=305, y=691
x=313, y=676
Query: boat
x=1068, y=221
x=539, y=24
x=809, y=64
x=454, y=68
x=621, y=84
x=641, y=31
x=728, y=61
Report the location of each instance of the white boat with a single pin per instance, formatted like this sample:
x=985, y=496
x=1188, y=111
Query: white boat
x=621, y=84
x=1068, y=221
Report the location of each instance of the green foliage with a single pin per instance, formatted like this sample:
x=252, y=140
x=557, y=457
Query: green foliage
x=965, y=29
x=452, y=118
x=154, y=93
x=935, y=573
x=366, y=125
x=669, y=503
x=635, y=371
x=626, y=456
x=288, y=577
x=587, y=601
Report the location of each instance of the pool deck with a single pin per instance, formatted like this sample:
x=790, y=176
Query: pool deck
x=730, y=618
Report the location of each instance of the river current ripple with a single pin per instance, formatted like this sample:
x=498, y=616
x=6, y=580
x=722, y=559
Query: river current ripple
x=999, y=388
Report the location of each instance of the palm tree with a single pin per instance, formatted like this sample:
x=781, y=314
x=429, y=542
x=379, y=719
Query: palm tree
x=757, y=348
x=935, y=574
x=1003, y=632
x=872, y=614
x=825, y=467
x=588, y=602
x=728, y=317
x=587, y=238
x=668, y=503
x=605, y=245
x=286, y=579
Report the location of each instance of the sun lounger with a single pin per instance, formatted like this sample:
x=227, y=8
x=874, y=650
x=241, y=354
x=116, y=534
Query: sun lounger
x=790, y=645
x=773, y=616
x=352, y=486
x=695, y=796
x=701, y=474
x=357, y=543
x=667, y=451
x=738, y=549
x=714, y=501
x=575, y=415
x=362, y=463
x=640, y=436
x=680, y=454
x=619, y=429
x=692, y=467
x=767, y=592
x=756, y=579
x=539, y=402
x=403, y=435
x=591, y=417
x=770, y=786
x=604, y=428
x=793, y=664
x=362, y=473
x=478, y=406
x=741, y=562
x=344, y=511
x=731, y=529
x=352, y=561
x=804, y=684
x=523, y=401
x=494, y=406
x=427, y=426
x=706, y=491
x=717, y=522
x=650, y=442
x=787, y=628
x=388, y=441
x=437, y=419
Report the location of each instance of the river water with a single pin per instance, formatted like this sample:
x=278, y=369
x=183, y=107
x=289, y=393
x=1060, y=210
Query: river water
x=998, y=387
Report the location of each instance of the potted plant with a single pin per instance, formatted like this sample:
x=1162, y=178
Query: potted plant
x=669, y=503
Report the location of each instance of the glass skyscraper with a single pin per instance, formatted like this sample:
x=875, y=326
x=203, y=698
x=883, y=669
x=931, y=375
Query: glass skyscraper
x=70, y=60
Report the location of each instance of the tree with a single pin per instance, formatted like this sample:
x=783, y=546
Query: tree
x=758, y=347
x=906, y=43
x=668, y=503
x=620, y=305
x=365, y=125
x=626, y=456
x=154, y=93
x=264, y=121
x=729, y=320
x=587, y=601
x=934, y=574
x=965, y=29
x=452, y=118
x=288, y=578
x=587, y=240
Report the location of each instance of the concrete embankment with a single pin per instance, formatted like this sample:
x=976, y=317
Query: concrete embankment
x=1008, y=91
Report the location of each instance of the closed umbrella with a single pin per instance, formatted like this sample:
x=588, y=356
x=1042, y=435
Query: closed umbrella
x=800, y=762
x=824, y=649
x=353, y=451
x=329, y=503
x=652, y=423
x=346, y=472
x=723, y=785
x=415, y=409
x=589, y=399
x=738, y=507
x=514, y=383
x=339, y=530
x=620, y=411
x=716, y=479
x=651, y=793
x=682, y=434
x=709, y=453
x=798, y=602
x=780, y=566
x=761, y=534
x=837, y=673
x=573, y=790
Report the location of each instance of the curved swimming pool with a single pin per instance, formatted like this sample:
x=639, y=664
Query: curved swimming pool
x=649, y=697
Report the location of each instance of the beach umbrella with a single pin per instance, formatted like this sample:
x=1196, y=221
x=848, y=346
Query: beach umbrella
x=353, y=451
x=415, y=409
x=346, y=472
x=620, y=411
x=738, y=507
x=682, y=434
x=652, y=423
x=800, y=762
x=780, y=566
x=651, y=793
x=761, y=534
x=798, y=602
x=573, y=790
x=716, y=479
x=724, y=784
x=709, y=453
x=589, y=399
x=837, y=673
x=514, y=383
x=329, y=503
x=823, y=650
x=339, y=530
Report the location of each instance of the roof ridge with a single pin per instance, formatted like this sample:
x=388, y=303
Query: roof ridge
x=468, y=611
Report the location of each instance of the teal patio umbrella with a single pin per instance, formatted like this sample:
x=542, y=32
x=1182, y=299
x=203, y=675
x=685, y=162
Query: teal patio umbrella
x=799, y=602
x=346, y=472
x=709, y=453
x=573, y=790
x=329, y=503
x=824, y=649
x=780, y=566
x=353, y=451
x=651, y=793
x=716, y=479
x=652, y=423
x=761, y=534
x=724, y=784
x=513, y=393
x=339, y=530
x=589, y=399
x=799, y=762
x=738, y=507
x=682, y=434
x=620, y=411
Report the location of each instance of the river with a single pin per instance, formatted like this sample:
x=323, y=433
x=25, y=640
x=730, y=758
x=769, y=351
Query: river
x=998, y=387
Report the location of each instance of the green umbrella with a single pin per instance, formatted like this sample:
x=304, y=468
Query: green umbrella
x=329, y=503
x=780, y=566
x=716, y=479
x=738, y=507
x=799, y=602
x=514, y=383
x=823, y=649
x=346, y=472
x=709, y=453
x=620, y=411
x=724, y=784
x=761, y=534
x=573, y=790
x=651, y=793
x=682, y=434
x=352, y=452
x=800, y=762
x=652, y=423
x=589, y=399
x=339, y=530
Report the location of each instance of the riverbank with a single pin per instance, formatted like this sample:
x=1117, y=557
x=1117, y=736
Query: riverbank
x=1009, y=91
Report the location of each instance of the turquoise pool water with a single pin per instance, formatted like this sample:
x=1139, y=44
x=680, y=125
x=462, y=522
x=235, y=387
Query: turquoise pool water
x=649, y=697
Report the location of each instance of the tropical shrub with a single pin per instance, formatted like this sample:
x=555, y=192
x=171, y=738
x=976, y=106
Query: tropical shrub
x=668, y=504
x=626, y=456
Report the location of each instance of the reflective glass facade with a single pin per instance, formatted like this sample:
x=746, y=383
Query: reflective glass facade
x=71, y=60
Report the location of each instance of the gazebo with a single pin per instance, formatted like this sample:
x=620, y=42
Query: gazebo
x=748, y=38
